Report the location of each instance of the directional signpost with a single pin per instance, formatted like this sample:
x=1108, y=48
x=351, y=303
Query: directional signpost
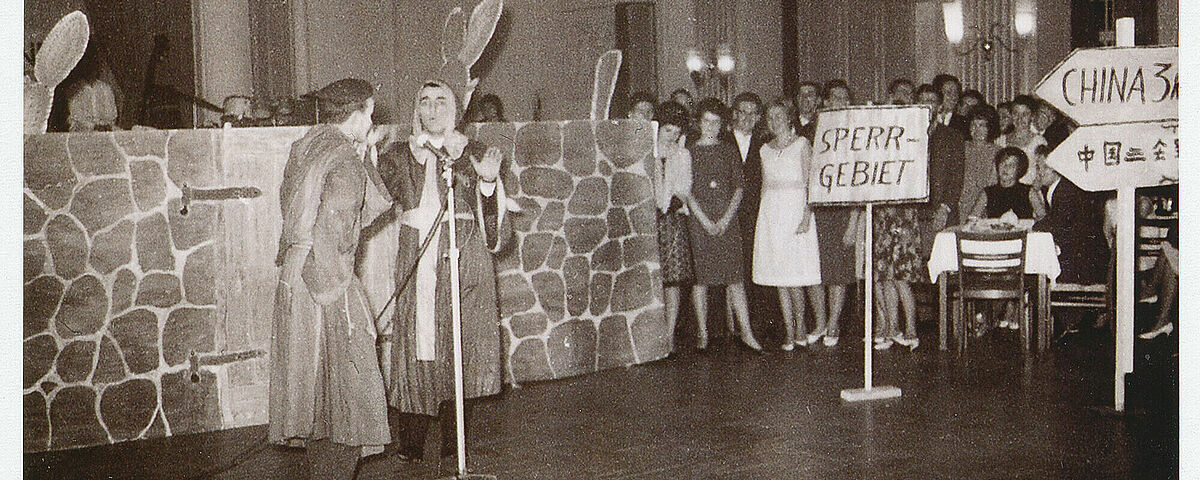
x=1126, y=101
x=863, y=156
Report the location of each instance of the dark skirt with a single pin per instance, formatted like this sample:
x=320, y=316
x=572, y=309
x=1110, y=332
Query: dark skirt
x=674, y=248
x=717, y=260
x=837, y=258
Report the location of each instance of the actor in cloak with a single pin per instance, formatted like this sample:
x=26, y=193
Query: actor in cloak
x=326, y=389
x=421, y=377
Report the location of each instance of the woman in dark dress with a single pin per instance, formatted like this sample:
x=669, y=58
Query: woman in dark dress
x=1007, y=194
x=716, y=243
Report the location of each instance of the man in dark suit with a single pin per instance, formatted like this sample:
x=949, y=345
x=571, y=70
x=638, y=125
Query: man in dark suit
x=748, y=134
x=946, y=154
x=808, y=99
x=1076, y=220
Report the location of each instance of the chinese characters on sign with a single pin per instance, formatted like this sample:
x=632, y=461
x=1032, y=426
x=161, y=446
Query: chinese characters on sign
x=1101, y=157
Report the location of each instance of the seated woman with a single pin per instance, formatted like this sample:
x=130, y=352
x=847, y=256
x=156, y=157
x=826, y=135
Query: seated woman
x=1008, y=195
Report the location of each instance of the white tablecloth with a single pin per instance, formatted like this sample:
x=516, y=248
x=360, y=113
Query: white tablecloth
x=1040, y=255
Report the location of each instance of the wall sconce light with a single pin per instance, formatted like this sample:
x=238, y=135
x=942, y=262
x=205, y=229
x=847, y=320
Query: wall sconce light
x=988, y=40
x=703, y=71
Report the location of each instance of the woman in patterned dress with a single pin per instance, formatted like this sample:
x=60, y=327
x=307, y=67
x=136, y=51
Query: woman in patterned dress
x=716, y=247
x=897, y=255
x=672, y=185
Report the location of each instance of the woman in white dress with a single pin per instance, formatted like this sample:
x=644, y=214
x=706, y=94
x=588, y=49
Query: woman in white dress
x=785, y=236
x=1023, y=136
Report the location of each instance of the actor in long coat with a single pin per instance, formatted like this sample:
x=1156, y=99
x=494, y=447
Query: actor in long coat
x=325, y=378
x=422, y=374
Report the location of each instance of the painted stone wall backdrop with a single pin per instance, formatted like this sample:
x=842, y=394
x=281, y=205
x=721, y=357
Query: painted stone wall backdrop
x=581, y=289
x=144, y=321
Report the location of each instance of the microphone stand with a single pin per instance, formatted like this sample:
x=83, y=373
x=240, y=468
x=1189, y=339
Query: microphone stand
x=456, y=319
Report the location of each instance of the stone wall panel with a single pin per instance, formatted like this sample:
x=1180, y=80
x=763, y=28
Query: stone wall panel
x=534, y=249
x=601, y=285
x=34, y=260
x=551, y=293
x=188, y=330
x=650, y=335
x=73, y=420
x=572, y=347
x=36, y=428
x=42, y=297
x=608, y=257
x=529, y=358
x=35, y=216
x=529, y=324
x=632, y=289
x=75, y=361
x=552, y=216
x=629, y=189
x=575, y=274
x=159, y=290
x=101, y=203
x=618, y=223
x=558, y=253
x=83, y=309
x=590, y=197
x=68, y=247
x=142, y=143
x=136, y=333
x=194, y=228
x=614, y=348
x=199, y=276
x=516, y=294
x=39, y=354
x=128, y=408
x=191, y=401
x=539, y=144
x=190, y=158
x=546, y=183
x=50, y=176
x=109, y=368
x=149, y=185
x=122, y=290
x=584, y=234
x=579, y=148
x=112, y=248
x=95, y=154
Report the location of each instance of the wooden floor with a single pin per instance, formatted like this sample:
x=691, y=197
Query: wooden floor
x=728, y=413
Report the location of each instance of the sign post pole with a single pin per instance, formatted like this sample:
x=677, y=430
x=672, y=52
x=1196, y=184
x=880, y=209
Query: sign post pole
x=868, y=298
x=1126, y=101
x=1126, y=197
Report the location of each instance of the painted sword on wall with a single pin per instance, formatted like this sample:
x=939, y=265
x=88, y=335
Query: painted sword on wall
x=198, y=194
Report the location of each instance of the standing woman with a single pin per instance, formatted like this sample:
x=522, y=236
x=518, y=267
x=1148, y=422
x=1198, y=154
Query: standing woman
x=672, y=186
x=326, y=390
x=716, y=242
x=1023, y=136
x=979, y=154
x=897, y=264
x=837, y=235
x=785, y=237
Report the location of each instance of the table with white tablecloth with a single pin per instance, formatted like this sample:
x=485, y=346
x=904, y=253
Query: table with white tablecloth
x=1041, y=260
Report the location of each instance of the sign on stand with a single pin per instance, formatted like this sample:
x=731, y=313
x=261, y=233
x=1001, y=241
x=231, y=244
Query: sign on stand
x=1115, y=84
x=863, y=156
x=1126, y=100
x=1107, y=157
x=871, y=154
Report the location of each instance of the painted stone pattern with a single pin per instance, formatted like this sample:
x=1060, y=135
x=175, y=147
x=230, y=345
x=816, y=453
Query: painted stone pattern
x=143, y=321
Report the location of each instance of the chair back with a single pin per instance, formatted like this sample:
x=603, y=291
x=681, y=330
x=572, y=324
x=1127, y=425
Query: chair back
x=991, y=266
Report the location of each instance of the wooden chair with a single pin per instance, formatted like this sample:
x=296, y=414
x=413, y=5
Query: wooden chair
x=991, y=266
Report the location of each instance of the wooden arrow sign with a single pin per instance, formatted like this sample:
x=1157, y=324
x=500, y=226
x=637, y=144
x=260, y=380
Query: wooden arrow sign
x=1116, y=84
x=1107, y=157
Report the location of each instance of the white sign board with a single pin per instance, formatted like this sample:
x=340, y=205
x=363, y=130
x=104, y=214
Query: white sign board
x=1115, y=84
x=870, y=154
x=1107, y=157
